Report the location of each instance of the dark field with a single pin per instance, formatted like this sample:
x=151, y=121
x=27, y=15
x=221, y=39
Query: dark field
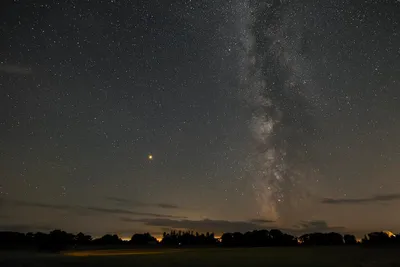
x=270, y=257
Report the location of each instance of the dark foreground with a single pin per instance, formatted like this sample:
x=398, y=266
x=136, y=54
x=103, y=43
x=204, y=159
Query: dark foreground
x=270, y=257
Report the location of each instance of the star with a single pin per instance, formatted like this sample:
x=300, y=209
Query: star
x=269, y=102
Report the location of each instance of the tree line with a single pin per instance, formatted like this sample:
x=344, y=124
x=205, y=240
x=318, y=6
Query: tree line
x=60, y=240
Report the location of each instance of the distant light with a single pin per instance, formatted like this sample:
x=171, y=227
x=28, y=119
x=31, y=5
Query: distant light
x=125, y=238
x=389, y=233
x=150, y=157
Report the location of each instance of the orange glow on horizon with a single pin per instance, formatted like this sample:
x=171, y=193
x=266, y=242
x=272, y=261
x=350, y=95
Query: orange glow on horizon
x=389, y=233
x=125, y=238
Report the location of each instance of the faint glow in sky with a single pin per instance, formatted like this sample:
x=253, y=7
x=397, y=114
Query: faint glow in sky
x=281, y=110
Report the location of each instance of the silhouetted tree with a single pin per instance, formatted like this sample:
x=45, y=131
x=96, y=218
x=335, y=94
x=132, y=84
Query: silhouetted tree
x=350, y=240
x=108, y=240
x=321, y=239
x=380, y=238
x=181, y=238
x=258, y=239
x=58, y=240
x=9, y=240
x=227, y=239
x=143, y=239
x=334, y=239
x=82, y=239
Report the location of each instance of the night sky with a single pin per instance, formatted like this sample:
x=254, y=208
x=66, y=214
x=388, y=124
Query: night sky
x=130, y=116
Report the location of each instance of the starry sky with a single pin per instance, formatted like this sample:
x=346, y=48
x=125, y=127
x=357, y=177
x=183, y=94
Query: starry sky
x=130, y=116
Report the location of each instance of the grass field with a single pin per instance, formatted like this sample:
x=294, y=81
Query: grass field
x=268, y=257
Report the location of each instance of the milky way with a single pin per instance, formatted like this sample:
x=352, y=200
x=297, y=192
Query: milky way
x=275, y=77
x=291, y=98
x=265, y=113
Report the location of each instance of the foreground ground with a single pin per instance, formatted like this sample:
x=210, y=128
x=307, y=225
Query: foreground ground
x=269, y=257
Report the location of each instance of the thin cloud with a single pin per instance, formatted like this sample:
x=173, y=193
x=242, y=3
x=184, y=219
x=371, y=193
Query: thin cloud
x=372, y=199
x=129, y=212
x=24, y=228
x=40, y=205
x=206, y=225
x=167, y=206
x=132, y=203
x=83, y=210
x=261, y=221
x=118, y=200
x=315, y=226
x=15, y=69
